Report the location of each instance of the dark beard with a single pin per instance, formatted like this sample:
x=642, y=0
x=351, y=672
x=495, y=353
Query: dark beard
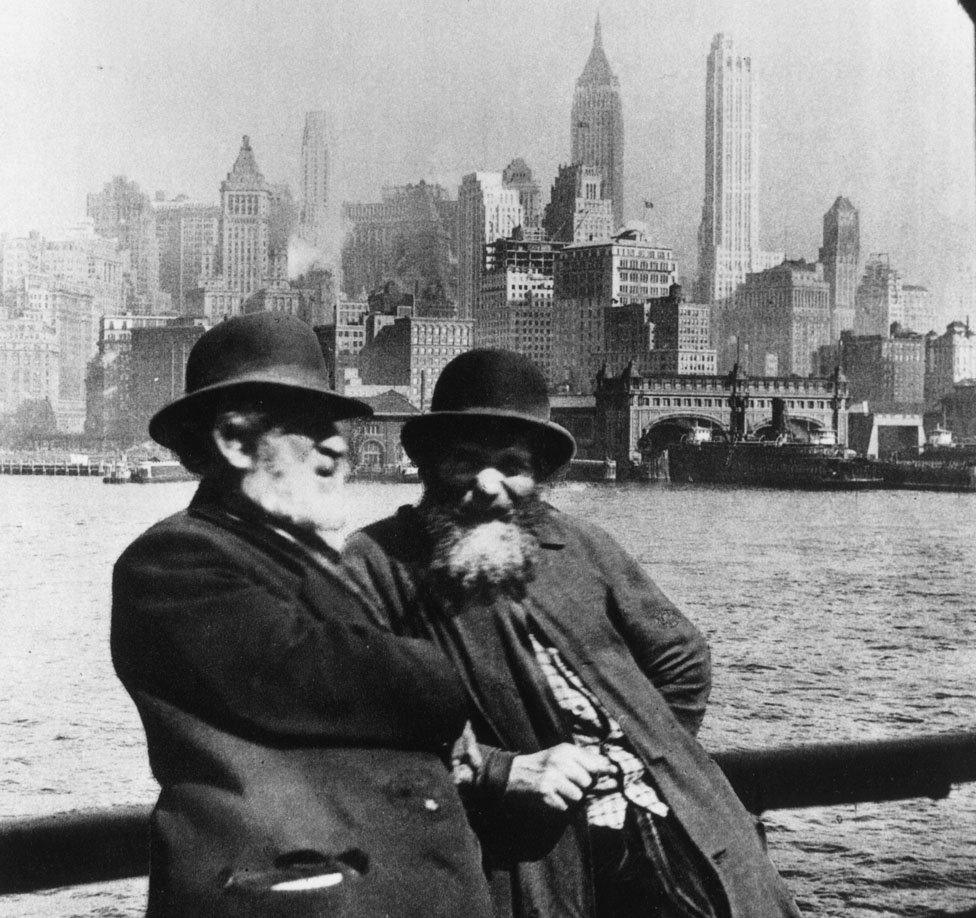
x=481, y=558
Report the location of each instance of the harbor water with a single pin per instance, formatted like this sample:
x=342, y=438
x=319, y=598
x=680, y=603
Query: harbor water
x=832, y=617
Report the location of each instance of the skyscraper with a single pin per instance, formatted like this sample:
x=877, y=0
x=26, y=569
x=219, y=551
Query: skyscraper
x=578, y=209
x=315, y=176
x=487, y=210
x=518, y=175
x=189, y=241
x=123, y=211
x=728, y=236
x=840, y=256
x=245, y=200
x=597, y=127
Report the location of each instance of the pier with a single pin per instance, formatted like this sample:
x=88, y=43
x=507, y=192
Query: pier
x=53, y=467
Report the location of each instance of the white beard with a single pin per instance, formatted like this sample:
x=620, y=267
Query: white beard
x=299, y=497
x=492, y=553
x=487, y=558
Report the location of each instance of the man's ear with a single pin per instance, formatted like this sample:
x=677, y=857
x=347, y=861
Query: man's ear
x=235, y=438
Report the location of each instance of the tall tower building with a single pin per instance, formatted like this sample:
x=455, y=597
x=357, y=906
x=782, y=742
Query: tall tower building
x=315, y=176
x=487, y=211
x=122, y=211
x=245, y=202
x=840, y=256
x=728, y=236
x=518, y=175
x=597, y=127
x=578, y=210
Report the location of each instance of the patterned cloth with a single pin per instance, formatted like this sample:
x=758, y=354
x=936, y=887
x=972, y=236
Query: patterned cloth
x=593, y=728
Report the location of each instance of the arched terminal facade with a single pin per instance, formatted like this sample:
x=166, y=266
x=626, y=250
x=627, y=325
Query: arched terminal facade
x=637, y=417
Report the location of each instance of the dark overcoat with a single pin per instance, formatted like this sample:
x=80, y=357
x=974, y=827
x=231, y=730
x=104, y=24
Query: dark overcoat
x=294, y=741
x=644, y=661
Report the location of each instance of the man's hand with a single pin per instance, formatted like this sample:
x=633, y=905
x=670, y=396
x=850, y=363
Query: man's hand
x=555, y=778
x=466, y=760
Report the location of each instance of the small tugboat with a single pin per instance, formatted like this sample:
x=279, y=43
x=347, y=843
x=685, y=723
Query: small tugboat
x=777, y=457
x=941, y=464
x=118, y=472
x=157, y=471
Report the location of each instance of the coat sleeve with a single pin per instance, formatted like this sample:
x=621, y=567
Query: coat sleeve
x=192, y=624
x=667, y=647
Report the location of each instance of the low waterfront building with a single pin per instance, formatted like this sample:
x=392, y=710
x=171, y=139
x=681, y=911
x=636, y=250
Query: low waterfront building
x=374, y=442
x=881, y=434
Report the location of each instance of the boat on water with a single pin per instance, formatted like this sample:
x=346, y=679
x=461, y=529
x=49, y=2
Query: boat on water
x=159, y=472
x=941, y=464
x=780, y=455
x=780, y=463
x=117, y=473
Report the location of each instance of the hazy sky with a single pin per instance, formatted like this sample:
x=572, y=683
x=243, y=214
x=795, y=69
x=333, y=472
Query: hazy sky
x=872, y=99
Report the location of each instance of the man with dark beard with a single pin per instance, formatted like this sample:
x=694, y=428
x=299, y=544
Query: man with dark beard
x=301, y=751
x=580, y=769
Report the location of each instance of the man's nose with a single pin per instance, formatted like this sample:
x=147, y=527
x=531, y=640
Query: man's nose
x=489, y=487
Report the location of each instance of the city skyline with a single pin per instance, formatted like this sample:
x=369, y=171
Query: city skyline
x=878, y=109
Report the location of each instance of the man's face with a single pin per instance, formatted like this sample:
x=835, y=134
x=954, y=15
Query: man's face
x=480, y=503
x=485, y=481
x=296, y=474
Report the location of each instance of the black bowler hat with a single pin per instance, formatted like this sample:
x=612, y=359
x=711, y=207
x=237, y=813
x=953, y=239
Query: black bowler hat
x=257, y=357
x=485, y=390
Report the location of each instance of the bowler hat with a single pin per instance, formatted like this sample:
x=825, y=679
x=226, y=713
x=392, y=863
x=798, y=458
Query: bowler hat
x=260, y=356
x=489, y=389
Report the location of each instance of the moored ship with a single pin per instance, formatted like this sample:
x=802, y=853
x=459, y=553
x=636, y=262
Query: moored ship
x=780, y=463
x=160, y=471
x=777, y=456
x=941, y=464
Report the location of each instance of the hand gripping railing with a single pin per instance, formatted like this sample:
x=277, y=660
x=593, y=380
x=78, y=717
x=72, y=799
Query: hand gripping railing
x=91, y=846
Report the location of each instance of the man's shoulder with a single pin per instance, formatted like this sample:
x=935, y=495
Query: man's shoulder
x=396, y=536
x=571, y=529
x=184, y=539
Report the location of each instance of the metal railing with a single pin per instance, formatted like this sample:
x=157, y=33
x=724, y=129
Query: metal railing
x=92, y=846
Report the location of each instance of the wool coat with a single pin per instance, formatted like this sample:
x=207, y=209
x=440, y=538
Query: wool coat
x=644, y=661
x=294, y=741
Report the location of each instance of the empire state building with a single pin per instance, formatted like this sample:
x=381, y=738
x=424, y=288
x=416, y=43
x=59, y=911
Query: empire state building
x=597, y=128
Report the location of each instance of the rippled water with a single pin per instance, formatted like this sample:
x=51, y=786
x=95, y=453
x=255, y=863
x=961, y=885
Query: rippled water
x=831, y=617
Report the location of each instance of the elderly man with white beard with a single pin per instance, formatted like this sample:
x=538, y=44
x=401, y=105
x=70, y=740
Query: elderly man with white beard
x=580, y=768
x=302, y=752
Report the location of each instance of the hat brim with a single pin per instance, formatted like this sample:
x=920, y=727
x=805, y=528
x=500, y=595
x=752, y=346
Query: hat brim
x=181, y=422
x=426, y=436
